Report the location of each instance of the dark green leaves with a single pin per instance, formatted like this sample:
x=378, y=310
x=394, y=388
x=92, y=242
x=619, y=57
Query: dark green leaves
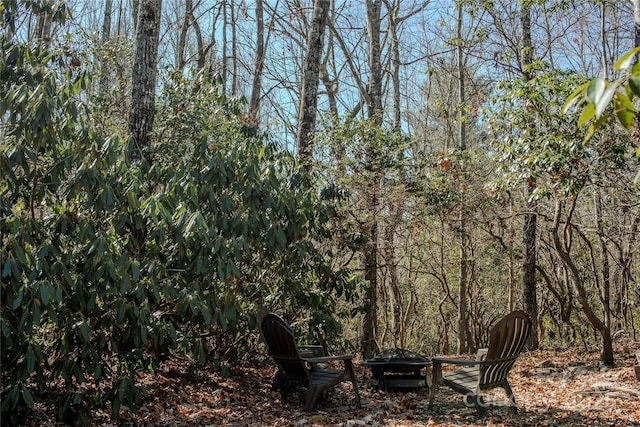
x=106, y=264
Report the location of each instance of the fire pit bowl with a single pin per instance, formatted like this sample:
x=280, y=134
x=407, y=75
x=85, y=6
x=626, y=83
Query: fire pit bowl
x=398, y=370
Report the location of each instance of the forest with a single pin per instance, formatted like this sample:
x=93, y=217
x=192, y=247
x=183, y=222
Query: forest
x=382, y=174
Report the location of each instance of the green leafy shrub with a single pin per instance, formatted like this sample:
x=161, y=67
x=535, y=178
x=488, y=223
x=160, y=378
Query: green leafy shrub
x=108, y=265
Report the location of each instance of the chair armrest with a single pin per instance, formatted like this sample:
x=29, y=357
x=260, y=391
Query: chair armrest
x=482, y=353
x=436, y=372
x=325, y=359
x=453, y=361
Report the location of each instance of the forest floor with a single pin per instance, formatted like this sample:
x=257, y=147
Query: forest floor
x=552, y=388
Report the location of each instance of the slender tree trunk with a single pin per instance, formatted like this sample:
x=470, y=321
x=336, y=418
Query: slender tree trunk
x=627, y=259
x=43, y=27
x=605, y=290
x=375, y=65
x=529, y=263
x=119, y=23
x=394, y=281
x=106, y=36
x=563, y=250
x=202, y=50
x=310, y=81
x=225, y=53
x=256, y=87
x=530, y=217
x=234, y=50
x=182, y=39
x=331, y=88
x=395, y=64
x=603, y=40
x=370, y=229
x=144, y=77
x=135, y=12
x=463, y=318
x=396, y=207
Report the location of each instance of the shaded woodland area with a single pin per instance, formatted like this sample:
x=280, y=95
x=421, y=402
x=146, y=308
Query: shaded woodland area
x=381, y=174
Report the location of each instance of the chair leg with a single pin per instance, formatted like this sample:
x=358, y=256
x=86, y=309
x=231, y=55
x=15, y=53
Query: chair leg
x=480, y=404
x=511, y=396
x=310, y=398
x=436, y=379
x=349, y=368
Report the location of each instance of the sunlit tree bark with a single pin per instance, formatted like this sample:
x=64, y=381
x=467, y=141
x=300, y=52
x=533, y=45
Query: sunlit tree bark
x=144, y=77
x=256, y=88
x=310, y=81
x=106, y=36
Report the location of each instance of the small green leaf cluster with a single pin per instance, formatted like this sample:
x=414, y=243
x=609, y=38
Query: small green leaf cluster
x=536, y=142
x=596, y=96
x=108, y=265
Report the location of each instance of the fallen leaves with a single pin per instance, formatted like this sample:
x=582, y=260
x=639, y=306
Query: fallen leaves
x=552, y=388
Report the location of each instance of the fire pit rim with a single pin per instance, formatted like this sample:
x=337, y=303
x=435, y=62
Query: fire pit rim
x=408, y=357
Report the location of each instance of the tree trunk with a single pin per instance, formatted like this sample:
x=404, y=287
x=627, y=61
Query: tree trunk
x=106, y=36
x=563, y=250
x=375, y=65
x=605, y=290
x=395, y=65
x=397, y=310
x=144, y=77
x=636, y=22
x=626, y=262
x=530, y=218
x=370, y=321
x=463, y=318
x=43, y=27
x=182, y=39
x=256, y=87
x=396, y=207
x=370, y=229
x=135, y=12
x=309, y=95
x=529, y=264
x=225, y=25
x=605, y=293
x=234, y=50
x=119, y=22
x=202, y=50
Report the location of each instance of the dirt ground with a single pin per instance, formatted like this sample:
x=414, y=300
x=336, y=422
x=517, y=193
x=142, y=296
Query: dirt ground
x=552, y=388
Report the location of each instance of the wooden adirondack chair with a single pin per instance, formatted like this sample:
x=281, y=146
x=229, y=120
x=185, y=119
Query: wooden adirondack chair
x=490, y=369
x=296, y=370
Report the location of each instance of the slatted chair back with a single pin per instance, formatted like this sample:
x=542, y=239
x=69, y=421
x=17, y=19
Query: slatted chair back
x=507, y=339
x=281, y=343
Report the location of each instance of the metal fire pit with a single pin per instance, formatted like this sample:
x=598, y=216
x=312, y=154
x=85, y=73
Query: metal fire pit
x=398, y=370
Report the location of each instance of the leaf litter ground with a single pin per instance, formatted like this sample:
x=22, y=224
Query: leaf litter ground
x=553, y=388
